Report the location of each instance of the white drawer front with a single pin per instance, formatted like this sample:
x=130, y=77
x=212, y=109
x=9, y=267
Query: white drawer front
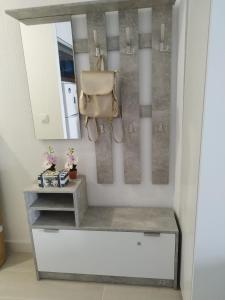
x=126, y=254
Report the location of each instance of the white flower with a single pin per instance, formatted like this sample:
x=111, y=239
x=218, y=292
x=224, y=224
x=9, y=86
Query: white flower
x=46, y=165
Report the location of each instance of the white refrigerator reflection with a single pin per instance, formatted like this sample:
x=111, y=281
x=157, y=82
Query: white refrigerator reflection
x=71, y=109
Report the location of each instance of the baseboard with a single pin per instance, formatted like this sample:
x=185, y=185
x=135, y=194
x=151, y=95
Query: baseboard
x=19, y=247
x=108, y=279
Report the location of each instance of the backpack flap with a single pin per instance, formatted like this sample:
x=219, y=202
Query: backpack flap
x=97, y=99
x=97, y=83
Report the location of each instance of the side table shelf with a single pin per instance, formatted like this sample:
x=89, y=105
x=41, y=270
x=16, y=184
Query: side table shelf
x=53, y=202
x=56, y=208
x=55, y=220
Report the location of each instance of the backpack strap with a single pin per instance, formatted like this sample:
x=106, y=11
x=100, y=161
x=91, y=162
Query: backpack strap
x=100, y=65
x=119, y=130
x=91, y=125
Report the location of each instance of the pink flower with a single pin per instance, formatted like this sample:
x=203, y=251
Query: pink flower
x=49, y=159
x=71, y=159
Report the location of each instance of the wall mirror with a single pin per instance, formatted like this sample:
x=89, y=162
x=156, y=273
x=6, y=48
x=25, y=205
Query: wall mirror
x=48, y=53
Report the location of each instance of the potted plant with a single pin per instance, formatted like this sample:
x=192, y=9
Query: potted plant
x=49, y=160
x=71, y=163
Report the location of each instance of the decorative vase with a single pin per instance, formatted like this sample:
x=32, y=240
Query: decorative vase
x=73, y=173
x=52, y=168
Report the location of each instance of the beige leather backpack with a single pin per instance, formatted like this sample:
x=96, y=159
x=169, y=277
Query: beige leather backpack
x=98, y=100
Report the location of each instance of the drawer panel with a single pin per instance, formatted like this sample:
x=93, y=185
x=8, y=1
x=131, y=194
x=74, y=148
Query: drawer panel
x=126, y=254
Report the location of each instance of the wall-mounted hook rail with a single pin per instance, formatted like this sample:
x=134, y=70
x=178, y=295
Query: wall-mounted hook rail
x=161, y=91
x=129, y=95
x=144, y=41
x=96, y=20
x=162, y=46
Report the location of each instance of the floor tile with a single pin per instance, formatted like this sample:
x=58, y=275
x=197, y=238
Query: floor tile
x=170, y=295
x=118, y=292
x=18, y=282
x=19, y=262
x=10, y=298
x=113, y=292
x=23, y=285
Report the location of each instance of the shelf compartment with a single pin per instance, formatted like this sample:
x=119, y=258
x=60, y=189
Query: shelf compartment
x=55, y=220
x=54, y=202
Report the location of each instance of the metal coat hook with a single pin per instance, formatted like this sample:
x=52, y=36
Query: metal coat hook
x=161, y=128
x=97, y=46
x=131, y=128
x=102, y=129
x=162, y=47
x=129, y=49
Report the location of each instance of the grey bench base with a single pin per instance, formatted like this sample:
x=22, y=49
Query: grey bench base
x=108, y=279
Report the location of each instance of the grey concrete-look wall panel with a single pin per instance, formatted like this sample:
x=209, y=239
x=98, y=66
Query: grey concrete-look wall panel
x=145, y=41
x=80, y=45
x=60, y=12
x=103, y=147
x=145, y=111
x=161, y=93
x=80, y=202
x=129, y=96
x=160, y=147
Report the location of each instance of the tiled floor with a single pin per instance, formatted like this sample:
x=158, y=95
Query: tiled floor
x=18, y=282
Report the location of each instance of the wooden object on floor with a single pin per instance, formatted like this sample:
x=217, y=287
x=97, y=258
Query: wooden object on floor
x=2, y=245
x=129, y=94
x=2, y=249
x=96, y=24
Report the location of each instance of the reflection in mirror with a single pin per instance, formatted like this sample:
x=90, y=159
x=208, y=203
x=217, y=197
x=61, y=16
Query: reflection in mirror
x=48, y=53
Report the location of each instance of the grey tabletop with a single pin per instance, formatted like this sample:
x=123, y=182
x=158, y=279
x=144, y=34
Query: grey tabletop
x=130, y=219
x=70, y=188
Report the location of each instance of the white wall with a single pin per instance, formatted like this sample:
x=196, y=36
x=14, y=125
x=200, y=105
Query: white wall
x=181, y=9
x=21, y=153
x=189, y=147
x=209, y=263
